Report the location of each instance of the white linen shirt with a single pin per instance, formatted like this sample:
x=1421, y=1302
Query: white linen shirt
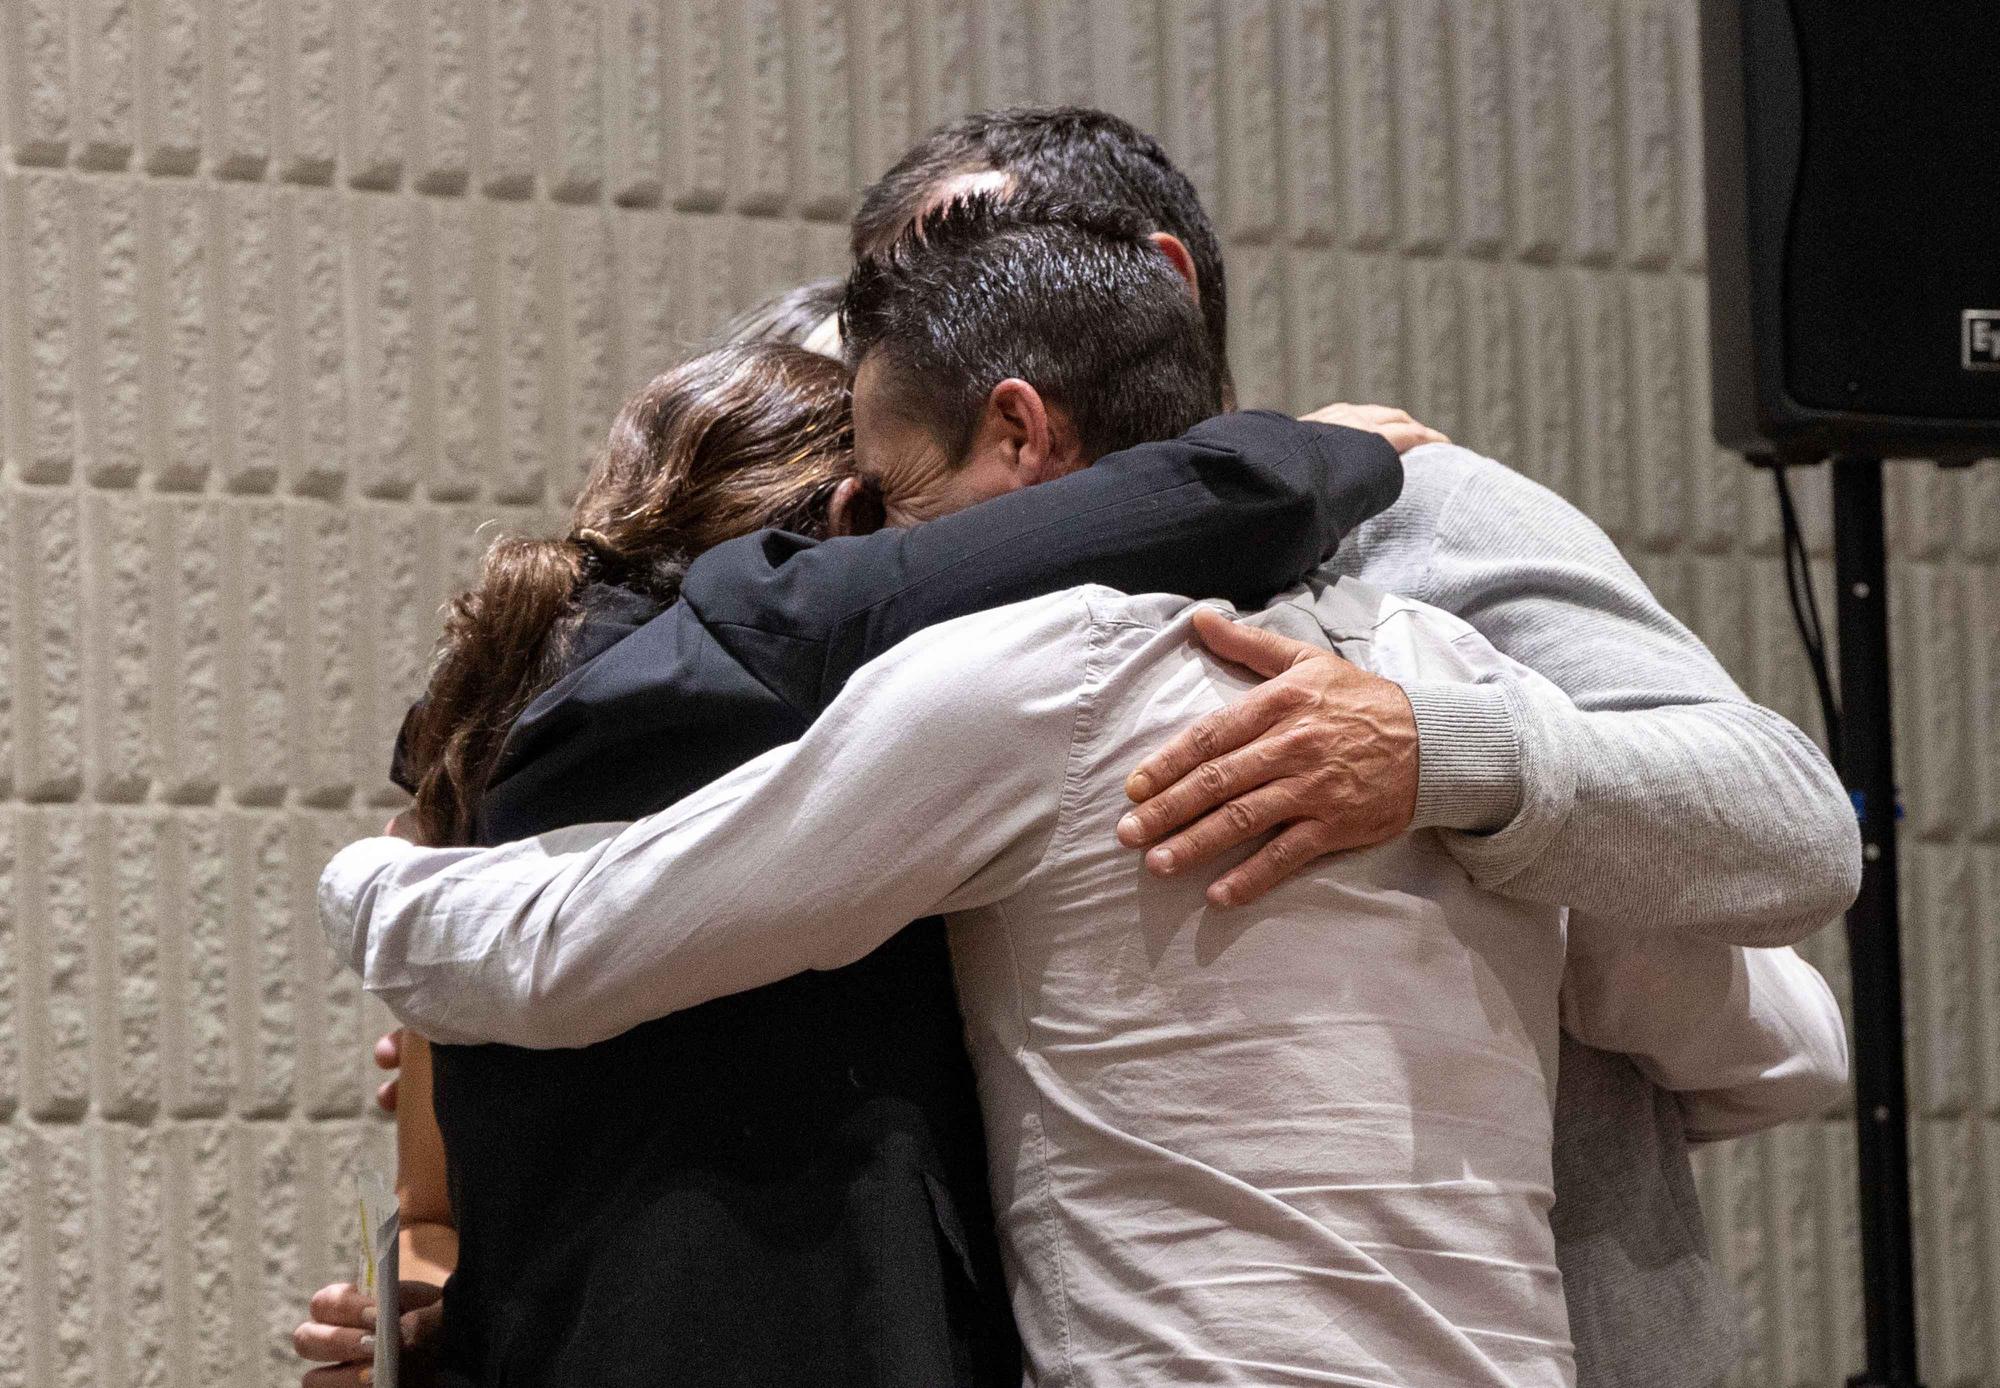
x=1306, y=1141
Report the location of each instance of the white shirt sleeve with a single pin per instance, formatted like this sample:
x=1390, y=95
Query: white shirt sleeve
x=931, y=784
x=1745, y=1038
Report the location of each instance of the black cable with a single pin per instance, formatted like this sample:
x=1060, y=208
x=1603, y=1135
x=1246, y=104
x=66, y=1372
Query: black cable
x=1805, y=609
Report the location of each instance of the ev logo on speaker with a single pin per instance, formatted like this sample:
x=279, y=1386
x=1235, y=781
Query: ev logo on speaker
x=1980, y=350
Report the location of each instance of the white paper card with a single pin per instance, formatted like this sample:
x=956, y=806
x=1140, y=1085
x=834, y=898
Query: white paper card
x=380, y=1273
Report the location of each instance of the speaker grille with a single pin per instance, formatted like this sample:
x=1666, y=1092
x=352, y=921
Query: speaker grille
x=1895, y=228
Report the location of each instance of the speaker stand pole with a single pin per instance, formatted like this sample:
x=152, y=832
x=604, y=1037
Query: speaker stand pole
x=1867, y=762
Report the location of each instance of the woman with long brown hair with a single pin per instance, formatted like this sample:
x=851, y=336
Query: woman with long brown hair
x=746, y=437
x=743, y=438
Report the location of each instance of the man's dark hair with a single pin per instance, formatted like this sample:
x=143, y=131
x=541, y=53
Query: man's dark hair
x=1069, y=297
x=1052, y=153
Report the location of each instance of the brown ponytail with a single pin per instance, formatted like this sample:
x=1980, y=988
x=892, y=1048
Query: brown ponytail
x=731, y=442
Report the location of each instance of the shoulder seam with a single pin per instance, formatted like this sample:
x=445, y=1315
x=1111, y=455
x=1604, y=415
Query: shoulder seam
x=1082, y=718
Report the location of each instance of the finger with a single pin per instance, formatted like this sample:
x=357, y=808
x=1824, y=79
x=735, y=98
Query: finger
x=1238, y=821
x=421, y=1326
x=1209, y=737
x=1377, y=416
x=419, y=1295
x=338, y=1376
x=1207, y=786
x=1265, y=652
x=389, y=1049
x=343, y=1303
x=1400, y=440
x=1404, y=437
x=385, y=1096
x=1330, y=414
x=1277, y=860
x=332, y=1344
x=1365, y=416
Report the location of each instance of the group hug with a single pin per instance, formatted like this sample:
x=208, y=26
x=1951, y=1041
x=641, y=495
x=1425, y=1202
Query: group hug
x=976, y=862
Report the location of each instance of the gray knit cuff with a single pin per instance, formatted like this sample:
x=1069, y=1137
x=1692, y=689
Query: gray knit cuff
x=1468, y=757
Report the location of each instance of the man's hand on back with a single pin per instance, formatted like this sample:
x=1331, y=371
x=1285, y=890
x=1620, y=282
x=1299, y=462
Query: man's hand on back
x=1392, y=424
x=1324, y=752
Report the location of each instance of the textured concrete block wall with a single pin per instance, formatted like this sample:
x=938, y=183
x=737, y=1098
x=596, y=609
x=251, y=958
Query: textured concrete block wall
x=298, y=295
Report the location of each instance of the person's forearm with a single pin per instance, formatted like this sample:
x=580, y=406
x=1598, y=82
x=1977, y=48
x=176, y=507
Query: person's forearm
x=1714, y=818
x=575, y=937
x=1649, y=786
x=427, y=1252
x=930, y=785
x=1242, y=506
x=584, y=933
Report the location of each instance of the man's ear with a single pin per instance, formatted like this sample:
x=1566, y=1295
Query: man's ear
x=856, y=509
x=1017, y=426
x=1177, y=254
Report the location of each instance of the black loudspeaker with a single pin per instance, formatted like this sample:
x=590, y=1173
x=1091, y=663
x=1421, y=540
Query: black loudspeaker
x=1853, y=159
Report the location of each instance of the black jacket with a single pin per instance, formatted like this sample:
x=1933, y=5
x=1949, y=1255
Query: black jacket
x=788, y=1186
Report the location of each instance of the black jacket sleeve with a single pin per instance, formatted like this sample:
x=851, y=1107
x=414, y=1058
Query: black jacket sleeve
x=1240, y=507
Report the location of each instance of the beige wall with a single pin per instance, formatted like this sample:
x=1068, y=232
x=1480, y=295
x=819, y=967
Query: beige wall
x=296, y=294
